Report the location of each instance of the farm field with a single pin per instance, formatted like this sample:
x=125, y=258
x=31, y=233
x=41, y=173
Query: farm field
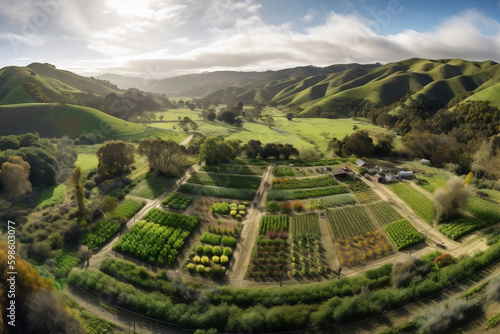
x=126, y=209
x=331, y=201
x=306, y=254
x=356, y=238
x=280, y=195
x=422, y=205
x=101, y=232
x=310, y=182
x=236, y=169
x=159, y=237
x=212, y=255
x=177, y=201
x=459, y=227
x=269, y=256
x=484, y=210
x=384, y=213
x=225, y=180
x=402, y=234
x=362, y=192
x=231, y=193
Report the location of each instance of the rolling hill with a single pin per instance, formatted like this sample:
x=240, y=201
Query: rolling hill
x=427, y=81
x=55, y=120
x=38, y=82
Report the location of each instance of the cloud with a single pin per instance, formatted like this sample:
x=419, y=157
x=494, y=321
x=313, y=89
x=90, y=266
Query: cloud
x=253, y=44
x=311, y=14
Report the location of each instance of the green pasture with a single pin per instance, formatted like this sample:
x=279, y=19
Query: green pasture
x=52, y=195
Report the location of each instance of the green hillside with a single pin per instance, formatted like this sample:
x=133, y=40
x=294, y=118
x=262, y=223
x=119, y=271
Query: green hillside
x=52, y=83
x=435, y=82
x=55, y=120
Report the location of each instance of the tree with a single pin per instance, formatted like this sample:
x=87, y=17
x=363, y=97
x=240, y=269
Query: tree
x=359, y=143
x=115, y=157
x=161, y=117
x=216, y=151
x=187, y=123
x=164, y=157
x=269, y=121
x=75, y=184
x=253, y=148
x=287, y=150
x=14, y=175
x=228, y=117
x=384, y=145
x=289, y=116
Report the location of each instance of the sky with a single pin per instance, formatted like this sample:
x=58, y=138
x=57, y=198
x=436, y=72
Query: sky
x=163, y=38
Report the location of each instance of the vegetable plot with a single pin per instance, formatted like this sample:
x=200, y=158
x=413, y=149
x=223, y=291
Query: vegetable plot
x=402, y=234
x=460, y=227
x=177, y=201
x=280, y=195
x=274, y=223
x=305, y=224
x=349, y=222
x=100, y=233
x=159, y=237
x=310, y=182
x=422, y=205
x=384, y=212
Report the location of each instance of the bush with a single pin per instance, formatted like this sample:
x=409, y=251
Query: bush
x=217, y=251
x=298, y=206
x=224, y=259
x=215, y=259
x=220, y=207
x=272, y=207
x=196, y=259
x=205, y=260
x=208, y=249
x=228, y=251
x=198, y=249
x=191, y=267
x=285, y=207
x=200, y=269
x=228, y=241
x=209, y=238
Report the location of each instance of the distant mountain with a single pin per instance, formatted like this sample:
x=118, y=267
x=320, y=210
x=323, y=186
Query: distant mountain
x=438, y=82
x=198, y=85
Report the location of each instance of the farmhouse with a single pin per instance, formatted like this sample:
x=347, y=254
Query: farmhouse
x=342, y=172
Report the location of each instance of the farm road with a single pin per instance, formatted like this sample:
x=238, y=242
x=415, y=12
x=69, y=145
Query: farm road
x=243, y=251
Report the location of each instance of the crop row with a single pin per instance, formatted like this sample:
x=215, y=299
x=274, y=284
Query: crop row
x=460, y=227
x=153, y=242
x=281, y=195
x=485, y=210
x=305, y=224
x=177, y=201
x=275, y=223
x=235, y=169
x=101, y=232
x=366, y=196
x=337, y=200
x=221, y=192
x=225, y=180
x=187, y=223
x=283, y=171
x=216, y=239
x=309, y=182
x=349, y=222
x=402, y=234
x=127, y=208
x=422, y=205
x=384, y=213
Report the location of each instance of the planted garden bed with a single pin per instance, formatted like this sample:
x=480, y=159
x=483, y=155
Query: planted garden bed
x=460, y=227
x=310, y=182
x=402, y=234
x=177, y=201
x=225, y=180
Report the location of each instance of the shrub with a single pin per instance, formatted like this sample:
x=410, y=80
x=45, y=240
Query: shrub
x=228, y=241
x=196, y=259
x=220, y=207
x=200, y=269
x=191, y=267
x=198, y=249
x=224, y=259
x=233, y=213
x=209, y=238
x=208, y=271
x=272, y=207
x=228, y=251
x=205, y=260
x=298, y=206
x=285, y=207
x=217, y=251
x=208, y=249
x=215, y=259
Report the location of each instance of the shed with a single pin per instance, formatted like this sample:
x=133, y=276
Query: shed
x=342, y=173
x=360, y=162
x=406, y=174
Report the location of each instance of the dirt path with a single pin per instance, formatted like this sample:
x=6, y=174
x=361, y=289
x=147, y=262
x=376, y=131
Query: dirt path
x=243, y=251
x=419, y=189
x=186, y=140
x=327, y=242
